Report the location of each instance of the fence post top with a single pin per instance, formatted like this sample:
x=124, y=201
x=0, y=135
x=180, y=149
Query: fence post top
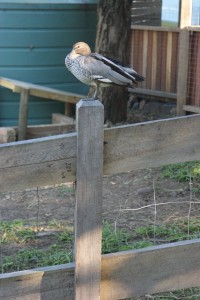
x=89, y=102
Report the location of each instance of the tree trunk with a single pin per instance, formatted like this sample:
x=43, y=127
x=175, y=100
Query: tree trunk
x=112, y=40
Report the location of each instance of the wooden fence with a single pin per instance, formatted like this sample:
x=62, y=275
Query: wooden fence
x=25, y=90
x=169, y=60
x=79, y=156
x=154, y=54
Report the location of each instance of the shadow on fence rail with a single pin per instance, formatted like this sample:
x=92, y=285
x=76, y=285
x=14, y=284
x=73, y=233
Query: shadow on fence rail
x=57, y=159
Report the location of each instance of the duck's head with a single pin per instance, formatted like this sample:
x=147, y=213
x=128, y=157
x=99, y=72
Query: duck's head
x=81, y=48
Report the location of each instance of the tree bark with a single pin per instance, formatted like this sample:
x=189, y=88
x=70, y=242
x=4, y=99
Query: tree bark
x=113, y=41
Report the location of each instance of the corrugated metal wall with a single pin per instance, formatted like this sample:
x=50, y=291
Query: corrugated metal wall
x=34, y=40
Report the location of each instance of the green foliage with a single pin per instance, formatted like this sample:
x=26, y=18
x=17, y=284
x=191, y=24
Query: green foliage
x=15, y=231
x=65, y=236
x=182, y=171
x=196, y=170
x=65, y=190
x=113, y=240
x=29, y=258
x=178, y=231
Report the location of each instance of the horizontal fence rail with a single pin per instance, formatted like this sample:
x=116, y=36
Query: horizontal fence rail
x=124, y=274
x=52, y=160
x=39, y=91
x=26, y=89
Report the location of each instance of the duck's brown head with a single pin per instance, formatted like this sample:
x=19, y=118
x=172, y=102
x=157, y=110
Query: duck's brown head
x=81, y=48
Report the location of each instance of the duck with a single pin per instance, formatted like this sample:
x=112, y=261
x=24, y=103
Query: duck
x=97, y=70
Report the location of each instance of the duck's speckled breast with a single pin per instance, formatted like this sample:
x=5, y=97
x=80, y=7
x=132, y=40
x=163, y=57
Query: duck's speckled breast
x=78, y=68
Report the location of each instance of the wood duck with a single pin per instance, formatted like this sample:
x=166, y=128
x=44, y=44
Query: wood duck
x=97, y=70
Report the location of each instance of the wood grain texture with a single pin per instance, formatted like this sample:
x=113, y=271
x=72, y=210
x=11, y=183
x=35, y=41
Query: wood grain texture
x=7, y=135
x=154, y=93
x=151, y=144
x=23, y=114
x=69, y=109
x=39, y=91
x=192, y=108
x=183, y=54
x=124, y=274
x=193, y=93
x=38, y=162
x=144, y=56
x=169, y=61
x=154, y=61
x=153, y=270
x=46, y=283
x=126, y=148
x=88, y=211
x=175, y=40
x=37, y=131
x=183, y=60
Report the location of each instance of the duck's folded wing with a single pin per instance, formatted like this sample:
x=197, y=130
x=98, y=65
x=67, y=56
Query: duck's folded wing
x=102, y=72
x=119, y=68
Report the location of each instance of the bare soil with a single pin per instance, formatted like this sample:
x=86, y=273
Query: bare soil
x=128, y=202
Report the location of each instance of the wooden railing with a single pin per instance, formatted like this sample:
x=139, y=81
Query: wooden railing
x=169, y=60
x=79, y=156
x=154, y=55
x=27, y=89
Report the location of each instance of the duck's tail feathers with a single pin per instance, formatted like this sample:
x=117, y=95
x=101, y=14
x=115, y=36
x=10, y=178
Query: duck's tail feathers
x=133, y=73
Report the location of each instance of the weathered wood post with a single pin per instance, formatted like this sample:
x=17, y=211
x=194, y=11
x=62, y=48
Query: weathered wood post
x=88, y=230
x=23, y=114
x=183, y=54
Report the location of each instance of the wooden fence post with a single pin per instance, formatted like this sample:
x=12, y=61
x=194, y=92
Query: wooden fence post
x=88, y=230
x=23, y=114
x=183, y=54
x=69, y=109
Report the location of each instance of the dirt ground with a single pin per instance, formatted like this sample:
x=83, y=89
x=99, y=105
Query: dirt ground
x=128, y=201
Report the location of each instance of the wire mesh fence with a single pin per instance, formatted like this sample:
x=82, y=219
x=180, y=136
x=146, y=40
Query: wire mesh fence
x=143, y=208
x=155, y=12
x=36, y=228
x=193, y=94
x=140, y=209
x=155, y=55
x=162, y=54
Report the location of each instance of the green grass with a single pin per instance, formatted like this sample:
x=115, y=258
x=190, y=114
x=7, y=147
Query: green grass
x=32, y=254
x=65, y=190
x=15, y=231
x=177, y=231
x=32, y=258
x=182, y=171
